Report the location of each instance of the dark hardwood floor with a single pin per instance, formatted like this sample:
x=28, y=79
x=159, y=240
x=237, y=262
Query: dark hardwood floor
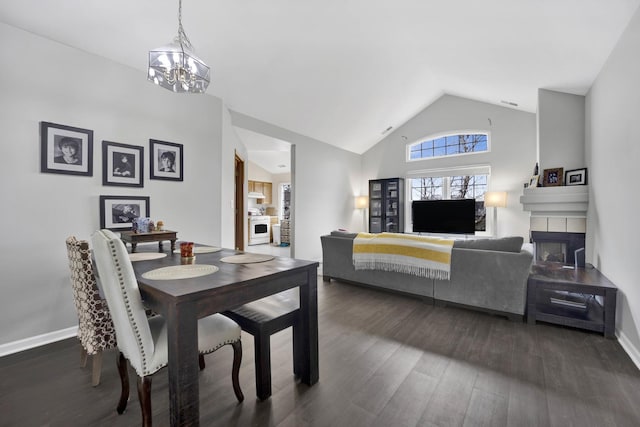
x=385, y=360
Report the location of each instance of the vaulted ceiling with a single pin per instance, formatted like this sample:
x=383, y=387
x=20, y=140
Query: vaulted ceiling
x=343, y=71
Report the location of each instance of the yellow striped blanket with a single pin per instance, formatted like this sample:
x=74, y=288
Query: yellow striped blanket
x=405, y=253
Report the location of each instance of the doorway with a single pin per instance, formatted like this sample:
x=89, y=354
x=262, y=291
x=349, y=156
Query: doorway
x=239, y=203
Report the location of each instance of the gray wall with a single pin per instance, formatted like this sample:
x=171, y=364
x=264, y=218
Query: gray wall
x=512, y=156
x=561, y=127
x=40, y=210
x=613, y=155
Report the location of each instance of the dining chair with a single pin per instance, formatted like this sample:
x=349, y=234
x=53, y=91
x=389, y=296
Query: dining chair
x=142, y=341
x=95, y=327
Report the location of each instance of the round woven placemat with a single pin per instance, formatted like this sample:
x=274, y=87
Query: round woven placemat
x=247, y=258
x=144, y=256
x=180, y=272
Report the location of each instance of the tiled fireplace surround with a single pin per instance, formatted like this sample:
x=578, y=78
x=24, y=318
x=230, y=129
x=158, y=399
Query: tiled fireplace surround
x=558, y=222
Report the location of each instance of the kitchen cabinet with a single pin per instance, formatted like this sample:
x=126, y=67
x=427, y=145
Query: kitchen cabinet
x=263, y=187
x=386, y=205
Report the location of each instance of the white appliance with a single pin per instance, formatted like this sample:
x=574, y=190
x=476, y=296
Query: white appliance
x=259, y=227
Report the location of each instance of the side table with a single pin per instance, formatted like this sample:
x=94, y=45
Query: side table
x=154, y=236
x=582, y=298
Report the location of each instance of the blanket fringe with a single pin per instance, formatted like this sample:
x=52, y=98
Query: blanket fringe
x=414, y=270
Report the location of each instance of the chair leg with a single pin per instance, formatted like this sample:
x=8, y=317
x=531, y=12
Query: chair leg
x=235, y=372
x=124, y=380
x=96, y=368
x=83, y=357
x=144, y=395
x=201, y=361
x=262, y=344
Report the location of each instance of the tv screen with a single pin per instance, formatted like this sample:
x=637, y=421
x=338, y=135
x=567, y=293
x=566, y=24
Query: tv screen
x=444, y=216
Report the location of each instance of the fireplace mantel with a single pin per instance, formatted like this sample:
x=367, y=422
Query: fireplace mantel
x=566, y=201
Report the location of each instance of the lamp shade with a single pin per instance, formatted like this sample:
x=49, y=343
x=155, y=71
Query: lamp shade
x=362, y=202
x=495, y=199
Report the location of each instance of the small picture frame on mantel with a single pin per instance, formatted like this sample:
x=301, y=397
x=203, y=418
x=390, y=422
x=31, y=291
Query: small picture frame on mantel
x=552, y=177
x=576, y=177
x=533, y=181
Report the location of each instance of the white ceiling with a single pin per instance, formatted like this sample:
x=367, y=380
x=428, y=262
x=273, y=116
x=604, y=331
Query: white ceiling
x=343, y=71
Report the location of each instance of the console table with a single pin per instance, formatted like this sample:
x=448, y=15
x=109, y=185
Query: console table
x=582, y=298
x=154, y=236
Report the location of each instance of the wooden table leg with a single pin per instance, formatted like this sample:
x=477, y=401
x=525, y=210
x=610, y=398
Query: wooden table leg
x=182, y=336
x=133, y=247
x=305, y=335
x=173, y=245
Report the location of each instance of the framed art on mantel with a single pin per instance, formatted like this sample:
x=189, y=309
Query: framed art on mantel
x=165, y=160
x=66, y=149
x=576, y=177
x=122, y=164
x=552, y=177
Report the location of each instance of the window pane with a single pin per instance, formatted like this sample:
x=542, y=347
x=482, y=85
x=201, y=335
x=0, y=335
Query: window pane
x=449, y=145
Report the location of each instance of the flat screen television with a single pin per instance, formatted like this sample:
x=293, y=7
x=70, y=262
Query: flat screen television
x=444, y=216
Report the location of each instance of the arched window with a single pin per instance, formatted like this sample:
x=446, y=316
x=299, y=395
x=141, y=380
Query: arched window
x=448, y=145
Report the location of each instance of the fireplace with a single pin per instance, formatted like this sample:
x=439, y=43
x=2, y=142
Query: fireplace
x=562, y=247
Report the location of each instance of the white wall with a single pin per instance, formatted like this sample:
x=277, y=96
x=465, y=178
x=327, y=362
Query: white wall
x=63, y=85
x=613, y=155
x=231, y=145
x=324, y=181
x=561, y=127
x=512, y=156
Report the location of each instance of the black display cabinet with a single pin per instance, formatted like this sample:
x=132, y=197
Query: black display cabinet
x=386, y=205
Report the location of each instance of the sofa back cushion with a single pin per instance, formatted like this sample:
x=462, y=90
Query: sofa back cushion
x=502, y=244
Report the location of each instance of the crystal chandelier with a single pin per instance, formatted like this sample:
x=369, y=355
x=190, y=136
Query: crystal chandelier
x=176, y=67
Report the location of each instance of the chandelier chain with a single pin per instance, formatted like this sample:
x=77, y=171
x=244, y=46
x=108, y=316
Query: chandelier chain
x=182, y=38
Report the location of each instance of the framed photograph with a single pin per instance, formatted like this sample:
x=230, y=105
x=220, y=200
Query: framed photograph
x=66, y=149
x=552, y=177
x=165, y=160
x=533, y=181
x=118, y=212
x=575, y=177
x=122, y=164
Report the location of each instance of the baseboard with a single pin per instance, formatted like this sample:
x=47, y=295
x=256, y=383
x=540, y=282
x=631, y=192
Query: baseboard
x=629, y=348
x=37, y=341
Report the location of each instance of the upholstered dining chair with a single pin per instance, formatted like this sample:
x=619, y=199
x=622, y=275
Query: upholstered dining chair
x=95, y=328
x=142, y=341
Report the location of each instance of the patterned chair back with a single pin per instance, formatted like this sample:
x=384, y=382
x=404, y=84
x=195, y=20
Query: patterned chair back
x=95, y=327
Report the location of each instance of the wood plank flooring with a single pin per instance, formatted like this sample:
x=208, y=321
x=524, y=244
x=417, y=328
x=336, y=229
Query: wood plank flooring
x=385, y=360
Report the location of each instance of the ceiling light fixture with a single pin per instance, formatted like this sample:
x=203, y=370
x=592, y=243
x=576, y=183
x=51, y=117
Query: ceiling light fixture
x=175, y=67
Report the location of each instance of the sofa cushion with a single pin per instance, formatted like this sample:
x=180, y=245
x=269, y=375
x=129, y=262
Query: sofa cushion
x=503, y=244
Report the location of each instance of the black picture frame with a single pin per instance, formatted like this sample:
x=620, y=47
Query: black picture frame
x=122, y=164
x=118, y=212
x=575, y=177
x=77, y=143
x=161, y=152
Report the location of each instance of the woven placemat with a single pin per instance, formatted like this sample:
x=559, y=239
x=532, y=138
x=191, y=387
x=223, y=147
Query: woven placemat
x=174, y=272
x=247, y=258
x=201, y=250
x=144, y=256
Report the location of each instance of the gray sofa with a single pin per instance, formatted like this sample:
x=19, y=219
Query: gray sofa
x=486, y=274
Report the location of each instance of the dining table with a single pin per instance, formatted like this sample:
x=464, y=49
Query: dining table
x=182, y=301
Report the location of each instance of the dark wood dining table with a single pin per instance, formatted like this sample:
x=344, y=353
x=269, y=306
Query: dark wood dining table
x=183, y=301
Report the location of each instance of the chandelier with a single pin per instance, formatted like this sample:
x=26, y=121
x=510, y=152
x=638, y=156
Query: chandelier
x=175, y=67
